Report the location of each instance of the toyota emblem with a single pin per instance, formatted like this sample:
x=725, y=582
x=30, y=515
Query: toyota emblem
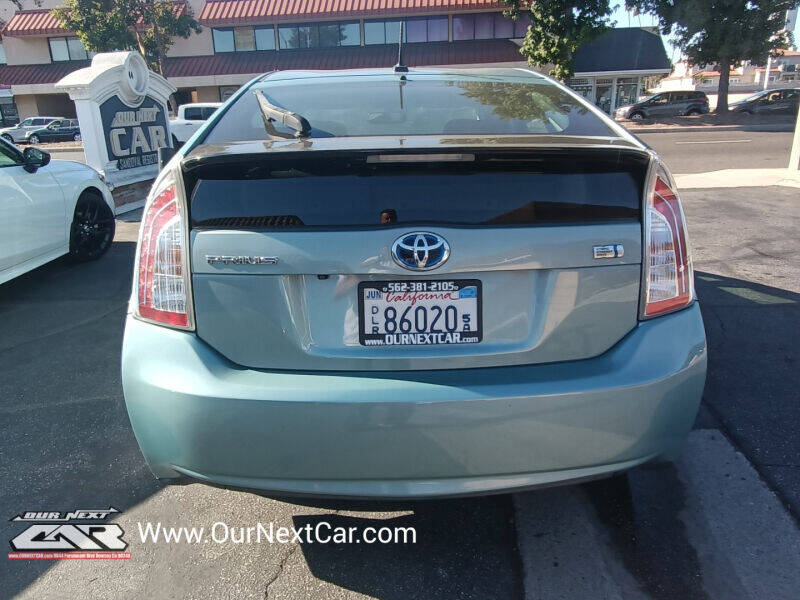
x=420, y=251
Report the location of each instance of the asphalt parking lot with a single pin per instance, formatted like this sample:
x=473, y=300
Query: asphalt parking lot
x=721, y=523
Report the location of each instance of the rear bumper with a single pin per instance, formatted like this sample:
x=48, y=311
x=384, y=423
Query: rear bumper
x=412, y=434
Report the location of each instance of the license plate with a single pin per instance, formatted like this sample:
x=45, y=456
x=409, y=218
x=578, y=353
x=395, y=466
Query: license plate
x=419, y=313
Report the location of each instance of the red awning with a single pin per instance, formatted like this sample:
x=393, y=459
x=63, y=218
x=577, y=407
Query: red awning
x=232, y=12
x=33, y=22
x=33, y=74
x=41, y=22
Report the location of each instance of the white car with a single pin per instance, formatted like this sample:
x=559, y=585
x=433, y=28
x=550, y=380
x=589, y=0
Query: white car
x=16, y=133
x=190, y=118
x=48, y=209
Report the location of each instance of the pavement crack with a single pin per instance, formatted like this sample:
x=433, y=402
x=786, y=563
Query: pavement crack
x=279, y=570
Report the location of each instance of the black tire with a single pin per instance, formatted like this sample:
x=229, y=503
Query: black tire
x=693, y=112
x=175, y=143
x=34, y=139
x=8, y=138
x=636, y=116
x=76, y=137
x=92, y=230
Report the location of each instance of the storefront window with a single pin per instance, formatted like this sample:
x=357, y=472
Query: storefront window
x=438, y=29
x=244, y=39
x=223, y=40
x=485, y=26
x=604, y=93
x=8, y=111
x=319, y=35
x=626, y=91
x=583, y=86
x=265, y=38
x=426, y=29
x=68, y=48
x=226, y=91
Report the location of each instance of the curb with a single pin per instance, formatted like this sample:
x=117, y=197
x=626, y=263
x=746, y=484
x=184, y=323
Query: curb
x=778, y=127
x=57, y=150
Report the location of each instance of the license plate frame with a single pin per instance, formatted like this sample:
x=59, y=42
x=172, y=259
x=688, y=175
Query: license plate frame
x=433, y=286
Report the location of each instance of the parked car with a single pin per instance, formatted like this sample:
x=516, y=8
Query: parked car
x=665, y=104
x=58, y=131
x=189, y=119
x=428, y=283
x=16, y=134
x=48, y=209
x=769, y=102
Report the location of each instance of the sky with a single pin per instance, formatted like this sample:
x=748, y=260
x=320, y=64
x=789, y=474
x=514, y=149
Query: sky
x=626, y=19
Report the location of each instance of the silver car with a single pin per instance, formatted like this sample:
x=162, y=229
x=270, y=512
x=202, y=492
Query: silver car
x=16, y=133
x=408, y=284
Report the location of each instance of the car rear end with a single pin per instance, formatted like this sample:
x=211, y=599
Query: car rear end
x=459, y=283
x=698, y=103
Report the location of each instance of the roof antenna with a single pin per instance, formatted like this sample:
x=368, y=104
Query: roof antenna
x=400, y=67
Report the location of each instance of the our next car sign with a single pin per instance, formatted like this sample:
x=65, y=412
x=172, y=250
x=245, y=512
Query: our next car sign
x=133, y=136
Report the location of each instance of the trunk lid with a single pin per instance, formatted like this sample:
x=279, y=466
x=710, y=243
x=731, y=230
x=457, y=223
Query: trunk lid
x=284, y=245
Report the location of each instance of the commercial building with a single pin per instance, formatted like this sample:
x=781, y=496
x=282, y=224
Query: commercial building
x=243, y=38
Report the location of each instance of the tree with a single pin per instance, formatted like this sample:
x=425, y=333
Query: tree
x=722, y=32
x=558, y=28
x=148, y=26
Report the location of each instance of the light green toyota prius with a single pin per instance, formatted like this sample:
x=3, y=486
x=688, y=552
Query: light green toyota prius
x=394, y=283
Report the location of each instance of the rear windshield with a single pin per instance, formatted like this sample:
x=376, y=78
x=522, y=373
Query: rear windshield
x=350, y=193
x=418, y=105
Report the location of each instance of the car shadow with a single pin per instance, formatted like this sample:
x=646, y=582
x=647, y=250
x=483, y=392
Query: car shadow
x=66, y=440
x=751, y=386
x=455, y=548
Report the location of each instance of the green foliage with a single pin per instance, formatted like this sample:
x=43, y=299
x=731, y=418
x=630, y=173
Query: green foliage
x=513, y=101
x=558, y=28
x=710, y=30
x=722, y=32
x=148, y=26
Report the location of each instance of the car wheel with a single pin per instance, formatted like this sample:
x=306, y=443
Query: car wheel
x=175, y=143
x=34, y=139
x=693, y=113
x=8, y=138
x=637, y=116
x=92, y=230
x=76, y=137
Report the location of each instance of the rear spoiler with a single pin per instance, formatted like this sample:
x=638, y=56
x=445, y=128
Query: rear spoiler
x=267, y=150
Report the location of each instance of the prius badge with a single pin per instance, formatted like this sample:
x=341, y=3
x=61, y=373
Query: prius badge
x=241, y=260
x=420, y=251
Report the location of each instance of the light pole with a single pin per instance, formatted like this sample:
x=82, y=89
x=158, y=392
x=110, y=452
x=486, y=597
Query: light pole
x=794, y=157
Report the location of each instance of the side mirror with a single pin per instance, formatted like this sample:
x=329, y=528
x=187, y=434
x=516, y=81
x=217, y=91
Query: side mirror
x=34, y=159
x=165, y=154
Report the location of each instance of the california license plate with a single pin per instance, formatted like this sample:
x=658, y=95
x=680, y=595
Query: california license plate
x=419, y=313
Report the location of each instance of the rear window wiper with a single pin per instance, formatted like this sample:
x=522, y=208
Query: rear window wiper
x=292, y=120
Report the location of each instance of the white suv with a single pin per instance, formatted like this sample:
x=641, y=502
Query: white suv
x=17, y=133
x=190, y=118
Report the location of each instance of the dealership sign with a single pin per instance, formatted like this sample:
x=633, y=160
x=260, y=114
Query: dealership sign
x=133, y=136
x=122, y=111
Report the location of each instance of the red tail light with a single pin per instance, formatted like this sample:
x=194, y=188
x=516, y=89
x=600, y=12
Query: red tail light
x=162, y=288
x=668, y=276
